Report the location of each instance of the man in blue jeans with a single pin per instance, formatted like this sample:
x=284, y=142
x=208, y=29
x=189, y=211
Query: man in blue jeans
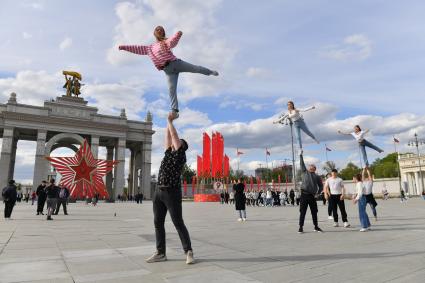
x=168, y=196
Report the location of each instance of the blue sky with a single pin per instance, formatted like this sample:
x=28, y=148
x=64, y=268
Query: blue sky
x=356, y=61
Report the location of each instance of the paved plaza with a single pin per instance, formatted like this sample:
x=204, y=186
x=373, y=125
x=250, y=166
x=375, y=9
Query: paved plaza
x=93, y=245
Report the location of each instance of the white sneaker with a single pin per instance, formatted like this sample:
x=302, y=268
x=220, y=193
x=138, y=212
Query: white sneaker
x=239, y=219
x=336, y=224
x=346, y=225
x=243, y=219
x=330, y=218
x=189, y=258
x=156, y=257
x=214, y=73
x=363, y=230
x=368, y=228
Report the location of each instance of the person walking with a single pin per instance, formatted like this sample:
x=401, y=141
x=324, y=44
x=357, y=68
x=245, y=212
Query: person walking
x=9, y=194
x=334, y=192
x=370, y=199
x=292, y=196
x=41, y=197
x=63, y=199
x=310, y=187
x=240, y=200
x=52, y=192
x=168, y=195
x=360, y=199
x=164, y=60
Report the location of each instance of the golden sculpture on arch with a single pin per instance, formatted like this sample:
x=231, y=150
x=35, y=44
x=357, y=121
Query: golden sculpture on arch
x=72, y=83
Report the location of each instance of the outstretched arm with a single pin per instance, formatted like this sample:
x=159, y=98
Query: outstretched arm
x=302, y=164
x=307, y=109
x=343, y=133
x=167, y=142
x=175, y=140
x=136, y=49
x=369, y=175
x=281, y=118
x=172, y=42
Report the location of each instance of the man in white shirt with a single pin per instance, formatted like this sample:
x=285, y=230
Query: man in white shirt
x=334, y=192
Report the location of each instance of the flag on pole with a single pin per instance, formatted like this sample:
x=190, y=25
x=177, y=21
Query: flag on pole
x=327, y=148
x=396, y=140
x=267, y=151
x=238, y=152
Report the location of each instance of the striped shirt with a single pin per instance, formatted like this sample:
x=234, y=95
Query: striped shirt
x=159, y=53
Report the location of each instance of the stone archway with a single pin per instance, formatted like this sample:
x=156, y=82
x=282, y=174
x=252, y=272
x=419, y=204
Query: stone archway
x=63, y=140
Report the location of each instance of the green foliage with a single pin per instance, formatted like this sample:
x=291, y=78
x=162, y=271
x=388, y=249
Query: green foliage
x=329, y=166
x=349, y=171
x=188, y=174
x=386, y=167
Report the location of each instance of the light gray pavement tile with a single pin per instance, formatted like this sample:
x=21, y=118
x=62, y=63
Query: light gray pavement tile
x=208, y=275
x=35, y=270
x=99, y=265
x=115, y=276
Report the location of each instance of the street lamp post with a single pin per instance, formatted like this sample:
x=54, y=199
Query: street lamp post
x=287, y=121
x=416, y=142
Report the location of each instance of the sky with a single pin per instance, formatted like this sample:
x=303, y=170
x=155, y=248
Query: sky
x=358, y=62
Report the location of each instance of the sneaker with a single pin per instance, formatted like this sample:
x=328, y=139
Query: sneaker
x=239, y=219
x=368, y=228
x=156, y=257
x=363, y=230
x=189, y=258
x=243, y=219
x=317, y=229
x=336, y=224
x=49, y=218
x=214, y=73
x=346, y=225
x=301, y=230
x=330, y=218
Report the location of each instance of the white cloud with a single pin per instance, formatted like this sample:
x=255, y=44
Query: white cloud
x=354, y=47
x=241, y=104
x=201, y=43
x=26, y=35
x=193, y=117
x=65, y=43
x=256, y=72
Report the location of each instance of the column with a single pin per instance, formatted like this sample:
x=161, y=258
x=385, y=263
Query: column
x=146, y=170
x=418, y=183
x=5, y=157
x=41, y=165
x=119, y=178
x=13, y=158
x=131, y=173
x=109, y=177
x=95, y=146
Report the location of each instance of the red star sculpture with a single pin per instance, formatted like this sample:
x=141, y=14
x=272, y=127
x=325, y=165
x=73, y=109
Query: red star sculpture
x=83, y=174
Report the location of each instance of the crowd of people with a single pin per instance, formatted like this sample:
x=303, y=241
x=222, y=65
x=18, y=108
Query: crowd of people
x=267, y=198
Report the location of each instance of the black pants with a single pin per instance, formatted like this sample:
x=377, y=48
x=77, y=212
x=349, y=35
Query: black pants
x=8, y=207
x=305, y=201
x=335, y=202
x=169, y=199
x=40, y=205
x=329, y=209
x=58, y=205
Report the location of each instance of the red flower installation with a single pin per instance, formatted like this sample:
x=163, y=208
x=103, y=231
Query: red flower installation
x=83, y=174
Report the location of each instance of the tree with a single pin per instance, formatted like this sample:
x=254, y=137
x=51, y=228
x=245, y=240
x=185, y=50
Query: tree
x=386, y=167
x=188, y=173
x=329, y=166
x=349, y=171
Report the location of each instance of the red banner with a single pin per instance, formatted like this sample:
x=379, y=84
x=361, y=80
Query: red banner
x=199, y=166
x=184, y=187
x=193, y=185
x=206, y=156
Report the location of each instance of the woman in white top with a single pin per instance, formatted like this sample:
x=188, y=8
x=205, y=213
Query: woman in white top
x=295, y=115
x=358, y=134
x=360, y=198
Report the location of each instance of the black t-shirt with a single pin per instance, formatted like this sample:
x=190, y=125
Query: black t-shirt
x=171, y=168
x=52, y=191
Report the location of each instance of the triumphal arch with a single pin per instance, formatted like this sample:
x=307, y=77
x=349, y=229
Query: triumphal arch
x=67, y=121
